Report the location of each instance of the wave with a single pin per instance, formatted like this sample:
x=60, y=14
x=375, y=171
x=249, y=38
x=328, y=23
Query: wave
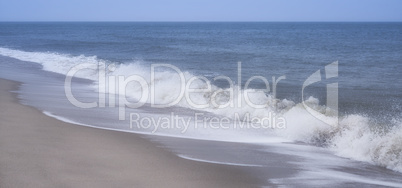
x=167, y=84
x=356, y=138
x=353, y=136
x=54, y=62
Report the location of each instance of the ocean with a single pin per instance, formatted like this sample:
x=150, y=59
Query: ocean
x=324, y=99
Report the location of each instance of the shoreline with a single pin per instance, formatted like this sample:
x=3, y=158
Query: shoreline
x=40, y=151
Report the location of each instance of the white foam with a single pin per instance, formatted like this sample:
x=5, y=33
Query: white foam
x=217, y=162
x=268, y=140
x=332, y=178
x=319, y=167
x=54, y=62
x=353, y=137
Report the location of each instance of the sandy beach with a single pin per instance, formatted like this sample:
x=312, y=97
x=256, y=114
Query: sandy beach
x=150, y=94
x=39, y=151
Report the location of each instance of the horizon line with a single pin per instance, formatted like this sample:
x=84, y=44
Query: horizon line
x=204, y=21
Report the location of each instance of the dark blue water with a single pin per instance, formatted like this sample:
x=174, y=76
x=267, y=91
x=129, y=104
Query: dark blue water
x=369, y=54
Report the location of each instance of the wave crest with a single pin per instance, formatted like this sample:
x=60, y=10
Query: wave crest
x=353, y=137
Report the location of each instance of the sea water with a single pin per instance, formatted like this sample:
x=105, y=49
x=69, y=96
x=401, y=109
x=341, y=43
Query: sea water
x=222, y=57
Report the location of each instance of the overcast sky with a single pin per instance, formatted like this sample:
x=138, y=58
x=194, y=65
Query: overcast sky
x=201, y=10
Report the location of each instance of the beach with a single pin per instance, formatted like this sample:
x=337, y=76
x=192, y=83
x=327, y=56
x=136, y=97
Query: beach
x=143, y=104
x=39, y=151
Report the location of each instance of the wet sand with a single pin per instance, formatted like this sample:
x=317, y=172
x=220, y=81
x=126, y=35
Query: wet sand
x=39, y=151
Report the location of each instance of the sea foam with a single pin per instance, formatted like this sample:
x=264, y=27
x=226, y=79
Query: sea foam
x=354, y=136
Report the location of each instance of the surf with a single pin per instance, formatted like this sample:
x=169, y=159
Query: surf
x=355, y=136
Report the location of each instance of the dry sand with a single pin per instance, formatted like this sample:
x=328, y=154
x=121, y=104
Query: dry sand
x=39, y=151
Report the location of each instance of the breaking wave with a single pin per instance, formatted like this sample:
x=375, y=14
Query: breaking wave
x=353, y=136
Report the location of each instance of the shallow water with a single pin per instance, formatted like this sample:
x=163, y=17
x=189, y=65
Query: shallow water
x=369, y=59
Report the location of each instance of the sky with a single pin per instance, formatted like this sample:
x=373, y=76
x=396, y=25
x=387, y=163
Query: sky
x=201, y=10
